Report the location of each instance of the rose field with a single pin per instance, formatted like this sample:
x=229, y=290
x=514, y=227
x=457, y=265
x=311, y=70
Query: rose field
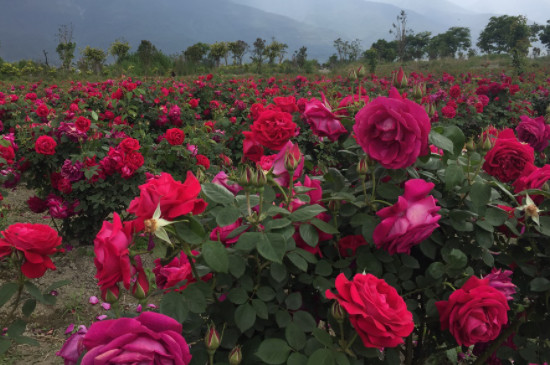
x=292, y=220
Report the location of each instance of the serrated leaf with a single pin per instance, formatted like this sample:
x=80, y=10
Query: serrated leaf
x=324, y=226
x=295, y=337
x=7, y=291
x=441, y=141
x=306, y=212
x=272, y=247
x=173, y=305
x=321, y=357
x=34, y=291
x=298, y=261
x=273, y=351
x=309, y=234
x=245, y=316
x=539, y=284
x=28, y=307
x=215, y=256
x=217, y=193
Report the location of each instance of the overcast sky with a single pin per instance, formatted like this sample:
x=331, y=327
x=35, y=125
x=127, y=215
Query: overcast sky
x=535, y=10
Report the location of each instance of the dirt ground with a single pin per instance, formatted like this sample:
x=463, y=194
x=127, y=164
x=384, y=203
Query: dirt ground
x=47, y=324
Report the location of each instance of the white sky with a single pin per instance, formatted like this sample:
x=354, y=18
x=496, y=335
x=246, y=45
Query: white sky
x=535, y=10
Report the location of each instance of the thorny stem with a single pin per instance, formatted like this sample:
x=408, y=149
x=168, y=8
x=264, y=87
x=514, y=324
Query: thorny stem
x=191, y=260
x=21, y=283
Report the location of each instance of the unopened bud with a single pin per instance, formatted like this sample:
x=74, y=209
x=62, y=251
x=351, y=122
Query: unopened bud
x=212, y=339
x=247, y=177
x=111, y=294
x=430, y=109
x=470, y=145
x=337, y=312
x=261, y=178
x=400, y=79
x=235, y=356
x=363, y=166
x=291, y=161
x=419, y=90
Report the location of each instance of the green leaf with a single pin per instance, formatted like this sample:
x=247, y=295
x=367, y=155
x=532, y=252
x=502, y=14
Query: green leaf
x=237, y=295
x=539, y=284
x=293, y=301
x=323, y=337
x=245, y=316
x=441, y=141
x=24, y=340
x=34, y=291
x=306, y=212
x=237, y=266
x=296, y=358
x=273, y=351
x=7, y=291
x=305, y=321
x=94, y=116
x=480, y=194
x=277, y=223
x=321, y=357
x=28, y=307
x=190, y=230
x=173, y=305
x=456, y=136
x=227, y=216
x=496, y=216
x=484, y=238
x=341, y=358
x=324, y=226
x=215, y=256
x=57, y=284
x=295, y=337
x=410, y=261
x=436, y=270
x=17, y=328
x=195, y=295
x=217, y=193
x=278, y=272
x=4, y=346
x=456, y=259
x=247, y=241
x=272, y=247
x=309, y=234
x=454, y=175
x=260, y=308
x=265, y=293
x=298, y=261
x=237, y=231
x=388, y=191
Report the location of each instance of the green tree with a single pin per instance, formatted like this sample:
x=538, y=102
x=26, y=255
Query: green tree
x=354, y=50
x=146, y=53
x=300, y=57
x=119, y=49
x=218, y=51
x=385, y=51
x=258, y=53
x=275, y=51
x=456, y=39
x=505, y=33
x=544, y=35
x=401, y=33
x=238, y=50
x=65, y=46
x=196, y=52
x=416, y=46
x=93, y=59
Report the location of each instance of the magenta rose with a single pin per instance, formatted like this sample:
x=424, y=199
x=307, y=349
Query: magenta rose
x=348, y=245
x=222, y=179
x=73, y=348
x=502, y=281
x=176, y=271
x=533, y=131
x=474, y=313
x=409, y=221
x=321, y=119
x=290, y=152
x=36, y=241
x=534, y=178
x=150, y=338
x=393, y=130
x=221, y=233
x=376, y=311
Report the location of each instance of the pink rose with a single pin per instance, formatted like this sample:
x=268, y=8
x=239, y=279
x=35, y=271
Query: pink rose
x=150, y=338
x=222, y=179
x=73, y=347
x=533, y=131
x=175, y=271
x=289, y=152
x=321, y=119
x=221, y=233
x=393, y=131
x=408, y=222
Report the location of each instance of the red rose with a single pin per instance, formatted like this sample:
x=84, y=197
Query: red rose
x=150, y=338
x=273, y=129
x=393, y=131
x=42, y=110
x=176, y=271
x=8, y=154
x=534, y=179
x=454, y=91
x=474, y=313
x=349, y=244
x=176, y=199
x=202, y=160
x=112, y=258
x=221, y=232
x=37, y=205
x=376, y=311
x=409, y=221
x=448, y=112
x=193, y=103
x=286, y=104
x=45, y=145
x=83, y=124
x=252, y=150
x=129, y=144
x=36, y=242
x=323, y=122
x=508, y=158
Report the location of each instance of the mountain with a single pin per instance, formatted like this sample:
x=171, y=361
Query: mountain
x=29, y=26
